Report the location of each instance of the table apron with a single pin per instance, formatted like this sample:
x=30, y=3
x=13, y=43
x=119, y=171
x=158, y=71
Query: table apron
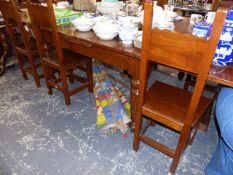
x=126, y=62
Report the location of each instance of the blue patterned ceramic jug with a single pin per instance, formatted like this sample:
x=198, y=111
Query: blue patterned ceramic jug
x=201, y=29
x=224, y=52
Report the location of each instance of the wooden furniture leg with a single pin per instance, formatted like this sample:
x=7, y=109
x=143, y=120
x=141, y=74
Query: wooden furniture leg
x=3, y=51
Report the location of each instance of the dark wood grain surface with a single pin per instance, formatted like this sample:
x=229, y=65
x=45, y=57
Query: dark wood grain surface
x=222, y=75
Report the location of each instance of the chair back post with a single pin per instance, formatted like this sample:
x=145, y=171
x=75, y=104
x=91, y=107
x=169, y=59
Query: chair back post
x=52, y=19
x=45, y=28
x=215, y=4
x=144, y=54
x=36, y=32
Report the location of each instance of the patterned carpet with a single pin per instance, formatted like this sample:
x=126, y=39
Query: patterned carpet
x=41, y=136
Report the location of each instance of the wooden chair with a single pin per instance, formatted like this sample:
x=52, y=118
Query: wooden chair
x=54, y=58
x=22, y=40
x=173, y=107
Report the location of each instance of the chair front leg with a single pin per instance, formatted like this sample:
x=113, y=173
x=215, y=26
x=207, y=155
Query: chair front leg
x=137, y=129
x=65, y=87
x=90, y=75
x=21, y=66
x=34, y=70
x=47, y=75
x=183, y=140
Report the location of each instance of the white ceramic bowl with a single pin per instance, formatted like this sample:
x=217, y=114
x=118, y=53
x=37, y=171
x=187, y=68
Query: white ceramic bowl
x=109, y=8
x=105, y=27
x=127, y=41
x=106, y=36
x=83, y=24
x=127, y=37
x=106, y=30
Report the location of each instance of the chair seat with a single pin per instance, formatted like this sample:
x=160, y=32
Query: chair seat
x=168, y=104
x=71, y=61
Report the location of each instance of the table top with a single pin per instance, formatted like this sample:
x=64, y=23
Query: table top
x=89, y=38
x=192, y=9
x=183, y=26
x=221, y=74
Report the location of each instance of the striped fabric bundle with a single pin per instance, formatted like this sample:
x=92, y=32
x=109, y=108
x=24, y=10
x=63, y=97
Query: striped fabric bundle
x=113, y=109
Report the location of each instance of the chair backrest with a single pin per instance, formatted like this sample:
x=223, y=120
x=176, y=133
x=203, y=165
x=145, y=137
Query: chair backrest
x=181, y=51
x=44, y=26
x=13, y=22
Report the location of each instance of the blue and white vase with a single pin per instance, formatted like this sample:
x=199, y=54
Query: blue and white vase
x=224, y=52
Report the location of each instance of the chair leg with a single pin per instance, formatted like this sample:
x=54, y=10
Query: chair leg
x=90, y=76
x=179, y=150
x=51, y=76
x=47, y=75
x=21, y=66
x=147, y=125
x=191, y=139
x=186, y=84
x=152, y=123
x=71, y=80
x=34, y=70
x=65, y=87
x=205, y=121
x=138, y=125
x=180, y=75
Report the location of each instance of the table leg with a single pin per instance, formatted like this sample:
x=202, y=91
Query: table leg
x=3, y=52
x=133, y=98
